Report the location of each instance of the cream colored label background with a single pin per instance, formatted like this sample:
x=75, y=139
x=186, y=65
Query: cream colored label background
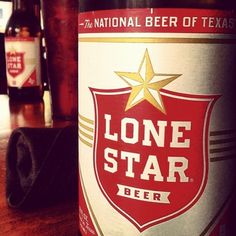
x=206, y=69
x=31, y=60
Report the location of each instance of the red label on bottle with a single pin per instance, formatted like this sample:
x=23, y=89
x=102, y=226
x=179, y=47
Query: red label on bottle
x=15, y=63
x=154, y=161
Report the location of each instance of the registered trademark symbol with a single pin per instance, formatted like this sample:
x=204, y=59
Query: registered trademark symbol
x=191, y=180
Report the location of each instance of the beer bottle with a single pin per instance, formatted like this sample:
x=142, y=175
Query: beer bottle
x=5, y=13
x=23, y=52
x=157, y=117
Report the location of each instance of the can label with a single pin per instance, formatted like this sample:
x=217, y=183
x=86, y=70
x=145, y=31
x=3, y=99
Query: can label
x=155, y=91
x=23, y=62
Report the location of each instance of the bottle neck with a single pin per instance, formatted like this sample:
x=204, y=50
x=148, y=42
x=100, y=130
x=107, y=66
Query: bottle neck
x=23, y=5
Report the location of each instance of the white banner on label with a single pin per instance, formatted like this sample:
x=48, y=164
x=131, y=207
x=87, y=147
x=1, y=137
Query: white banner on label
x=143, y=194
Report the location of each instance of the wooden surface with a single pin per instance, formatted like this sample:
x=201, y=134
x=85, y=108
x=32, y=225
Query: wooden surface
x=59, y=220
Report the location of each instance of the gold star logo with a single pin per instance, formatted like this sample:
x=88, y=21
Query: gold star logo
x=146, y=84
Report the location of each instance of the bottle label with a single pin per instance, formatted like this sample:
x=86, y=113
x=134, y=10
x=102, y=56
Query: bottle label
x=156, y=128
x=5, y=13
x=23, y=62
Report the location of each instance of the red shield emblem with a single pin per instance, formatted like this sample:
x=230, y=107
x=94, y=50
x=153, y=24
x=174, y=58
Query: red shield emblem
x=150, y=165
x=15, y=63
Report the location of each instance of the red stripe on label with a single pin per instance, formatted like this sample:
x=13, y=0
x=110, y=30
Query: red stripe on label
x=32, y=80
x=163, y=20
x=19, y=39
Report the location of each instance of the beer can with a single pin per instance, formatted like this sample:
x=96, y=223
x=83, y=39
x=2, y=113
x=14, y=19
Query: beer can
x=157, y=122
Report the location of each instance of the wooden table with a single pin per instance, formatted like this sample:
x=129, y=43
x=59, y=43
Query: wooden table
x=59, y=220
